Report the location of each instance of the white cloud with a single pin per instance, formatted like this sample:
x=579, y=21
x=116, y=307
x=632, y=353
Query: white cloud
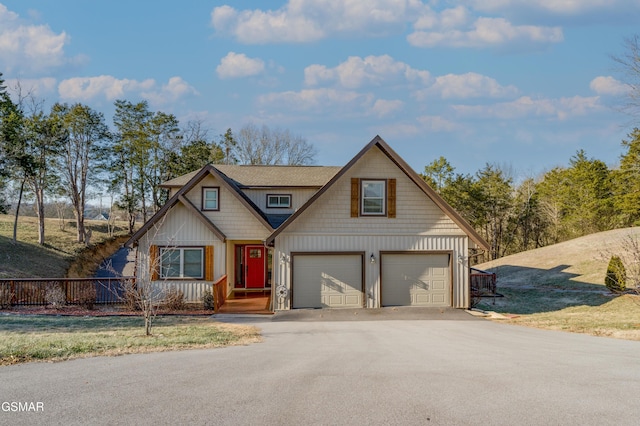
x=356, y=72
x=465, y=86
x=487, y=32
x=87, y=88
x=236, y=65
x=435, y=123
x=525, y=107
x=302, y=21
x=316, y=100
x=557, y=7
x=29, y=48
x=39, y=87
x=608, y=86
x=382, y=107
x=175, y=89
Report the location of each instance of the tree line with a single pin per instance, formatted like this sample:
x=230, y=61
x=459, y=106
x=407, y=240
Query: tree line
x=68, y=149
x=584, y=197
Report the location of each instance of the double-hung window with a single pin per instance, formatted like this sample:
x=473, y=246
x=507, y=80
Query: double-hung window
x=282, y=201
x=182, y=263
x=211, y=198
x=373, y=197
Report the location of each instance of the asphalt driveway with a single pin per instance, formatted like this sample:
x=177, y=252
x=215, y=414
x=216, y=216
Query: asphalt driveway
x=407, y=372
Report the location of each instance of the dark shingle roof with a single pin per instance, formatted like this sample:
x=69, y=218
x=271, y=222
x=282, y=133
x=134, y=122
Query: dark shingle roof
x=267, y=176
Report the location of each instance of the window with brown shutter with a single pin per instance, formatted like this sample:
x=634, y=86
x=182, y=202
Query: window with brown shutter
x=154, y=263
x=208, y=263
x=355, y=197
x=373, y=197
x=391, y=198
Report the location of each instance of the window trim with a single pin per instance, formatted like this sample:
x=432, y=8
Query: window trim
x=181, y=274
x=279, y=206
x=383, y=213
x=204, y=200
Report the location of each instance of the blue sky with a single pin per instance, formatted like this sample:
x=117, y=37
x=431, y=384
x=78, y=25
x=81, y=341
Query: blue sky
x=519, y=83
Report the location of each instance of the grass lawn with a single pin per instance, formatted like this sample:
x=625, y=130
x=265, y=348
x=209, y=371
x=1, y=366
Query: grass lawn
x=561, y=287
x=26, y=338
x=619, y=318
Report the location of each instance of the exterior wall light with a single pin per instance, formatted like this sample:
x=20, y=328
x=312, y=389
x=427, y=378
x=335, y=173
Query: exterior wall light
x=372, y=259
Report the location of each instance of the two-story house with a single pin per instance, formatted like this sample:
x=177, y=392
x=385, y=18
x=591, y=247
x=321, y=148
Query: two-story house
x=369, y=234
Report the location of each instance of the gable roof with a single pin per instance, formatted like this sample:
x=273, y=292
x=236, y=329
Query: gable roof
x=393, y=156
x=258, y=176
x=179, y=197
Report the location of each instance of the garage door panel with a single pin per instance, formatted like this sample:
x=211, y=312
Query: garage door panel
x=327, y=281
x=415, y=279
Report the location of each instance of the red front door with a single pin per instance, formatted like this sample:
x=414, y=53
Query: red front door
x=254, y=266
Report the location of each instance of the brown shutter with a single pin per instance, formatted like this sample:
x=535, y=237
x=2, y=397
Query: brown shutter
x=154, y=263
x=208, y=263
x=391, y=198
x=355, y=197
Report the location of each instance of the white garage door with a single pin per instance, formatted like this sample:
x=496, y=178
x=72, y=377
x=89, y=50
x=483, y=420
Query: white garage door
x=327, y=281
x=415, y=279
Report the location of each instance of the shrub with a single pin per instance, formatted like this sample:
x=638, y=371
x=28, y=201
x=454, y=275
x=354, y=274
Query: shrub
x=55, y=295
x=131, y=296
x=615, y=280
x=87, y=295
x=207, y=299
x=174, y=299
x=5, y=297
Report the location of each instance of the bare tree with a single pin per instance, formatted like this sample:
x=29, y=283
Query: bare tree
x=628, y=64
x=272, y=147
x=148, y=293
x=79, y=154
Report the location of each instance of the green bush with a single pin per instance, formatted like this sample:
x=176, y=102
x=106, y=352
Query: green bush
x=615, y=280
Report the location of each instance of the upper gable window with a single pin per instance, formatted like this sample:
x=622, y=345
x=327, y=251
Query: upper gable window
x=282, y=201
x=211, y=198
x=373, y=200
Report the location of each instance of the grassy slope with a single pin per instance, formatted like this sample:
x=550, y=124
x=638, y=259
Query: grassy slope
x=27, y=259
x=562, y=287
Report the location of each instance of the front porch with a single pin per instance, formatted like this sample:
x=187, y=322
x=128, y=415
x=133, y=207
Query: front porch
x=247, y=302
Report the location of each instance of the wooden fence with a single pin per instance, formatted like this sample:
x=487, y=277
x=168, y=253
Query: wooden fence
x=42, y=291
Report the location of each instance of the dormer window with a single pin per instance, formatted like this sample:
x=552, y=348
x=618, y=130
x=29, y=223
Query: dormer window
x=279, y=201
x=211, y=198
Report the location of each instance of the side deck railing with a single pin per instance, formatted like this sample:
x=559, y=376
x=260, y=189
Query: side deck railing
x=483, y=282
x=72, y=291
x=219, y=293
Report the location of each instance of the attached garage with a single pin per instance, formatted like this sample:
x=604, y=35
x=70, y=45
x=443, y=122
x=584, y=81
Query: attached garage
x=415, y=279
x=327, y=280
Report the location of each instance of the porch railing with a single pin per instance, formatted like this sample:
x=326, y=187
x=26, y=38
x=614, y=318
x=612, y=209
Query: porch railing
x=483, y=282
x=33, y=291
x=219, y=293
